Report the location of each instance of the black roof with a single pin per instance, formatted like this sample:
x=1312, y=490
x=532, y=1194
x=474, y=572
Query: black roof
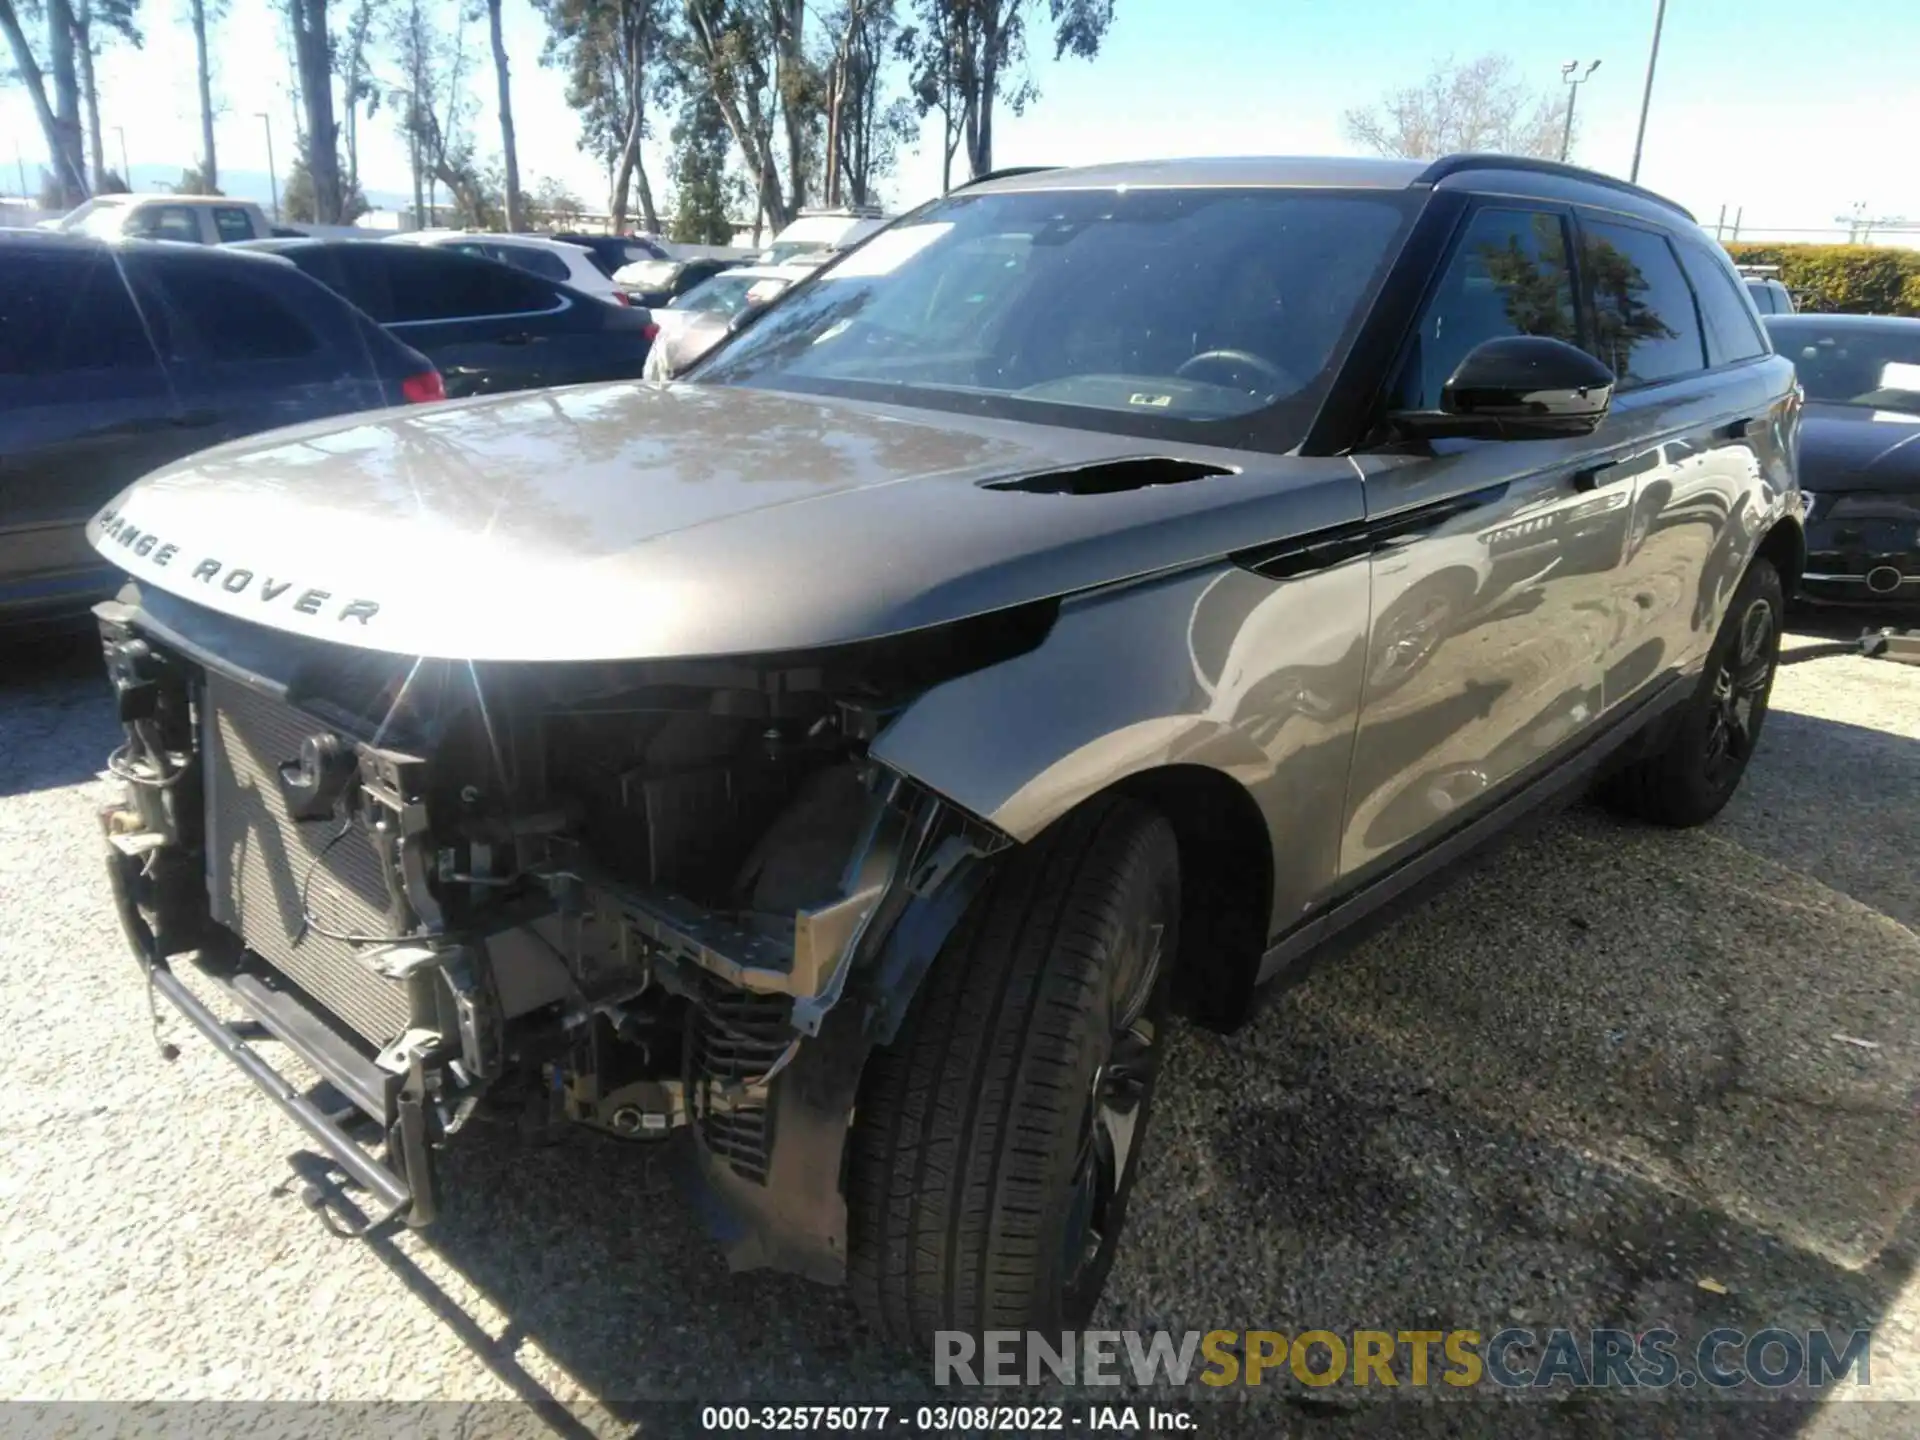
x=1513, y=174
x=186, y=251
x=1472, y=162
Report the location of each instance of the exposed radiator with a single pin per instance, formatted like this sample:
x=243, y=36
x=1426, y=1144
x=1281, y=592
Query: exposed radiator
x=258, y=857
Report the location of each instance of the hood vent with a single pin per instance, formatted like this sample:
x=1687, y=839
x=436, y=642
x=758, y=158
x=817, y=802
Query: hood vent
x=1112, y=477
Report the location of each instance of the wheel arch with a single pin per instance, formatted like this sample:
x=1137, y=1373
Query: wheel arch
x=1226, y=886
x=1785, y=545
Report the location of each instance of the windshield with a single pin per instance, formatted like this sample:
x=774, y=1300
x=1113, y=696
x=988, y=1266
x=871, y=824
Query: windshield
x=98, y=216
x=1873, y=365
x=1167, y=307
x=722, y=295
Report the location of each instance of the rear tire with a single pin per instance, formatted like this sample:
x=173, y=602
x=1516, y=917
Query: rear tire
x=996, y=1140
x=1690, y=779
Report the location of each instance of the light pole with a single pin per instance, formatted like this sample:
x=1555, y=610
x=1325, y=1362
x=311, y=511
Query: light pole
x=1573, y=83
x=273, y=175
x=126, y=170
x=1646, y=95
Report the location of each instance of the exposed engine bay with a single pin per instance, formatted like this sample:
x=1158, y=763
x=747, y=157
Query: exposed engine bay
x=641, y=897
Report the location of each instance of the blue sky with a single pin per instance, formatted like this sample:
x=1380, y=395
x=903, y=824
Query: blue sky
x=1793, y=111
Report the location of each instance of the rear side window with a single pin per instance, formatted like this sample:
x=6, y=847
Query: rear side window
x=69, y=314
x=235, y=315
x=1732, y=334
x=233, y=223
x=1508, y=276
x=1645, y=327
x=543, y=263
x=434, y=285
x=164, y=222
x=361, y=272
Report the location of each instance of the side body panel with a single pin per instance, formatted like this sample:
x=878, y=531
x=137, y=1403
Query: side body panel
x=64, y=455
x=1217, y=667
x=75, y=428
x=1486, y=643
x=1705, y=462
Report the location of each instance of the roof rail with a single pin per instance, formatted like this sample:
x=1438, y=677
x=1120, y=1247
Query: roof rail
x=1486, y=160
x=1004, y=173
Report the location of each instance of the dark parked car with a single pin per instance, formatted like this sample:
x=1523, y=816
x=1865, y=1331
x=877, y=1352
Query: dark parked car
x=488, y=327
x=610, y=252
x=1859, y=453
x=848, y=756
x=117, y=357
x=1770, y=297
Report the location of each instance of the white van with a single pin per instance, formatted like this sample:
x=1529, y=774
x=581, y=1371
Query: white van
x=818, y=232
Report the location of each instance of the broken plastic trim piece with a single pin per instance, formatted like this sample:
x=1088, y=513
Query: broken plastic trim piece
x=1113, y=477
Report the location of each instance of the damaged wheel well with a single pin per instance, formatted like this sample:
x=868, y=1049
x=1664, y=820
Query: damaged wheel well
x=1226, y=887
x=1786, y=546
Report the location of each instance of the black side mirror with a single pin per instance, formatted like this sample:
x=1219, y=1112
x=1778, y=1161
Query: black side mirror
x=1517, y=387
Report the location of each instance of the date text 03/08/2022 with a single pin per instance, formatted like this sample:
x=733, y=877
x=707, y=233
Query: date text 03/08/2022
x=938, y=1419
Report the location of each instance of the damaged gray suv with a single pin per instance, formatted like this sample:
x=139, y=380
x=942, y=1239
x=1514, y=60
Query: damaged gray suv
x=1076, y=605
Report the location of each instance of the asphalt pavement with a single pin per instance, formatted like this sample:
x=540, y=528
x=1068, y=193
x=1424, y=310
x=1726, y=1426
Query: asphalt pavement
x=1613, y=1075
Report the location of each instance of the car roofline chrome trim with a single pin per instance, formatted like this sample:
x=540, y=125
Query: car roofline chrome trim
x=566, y=303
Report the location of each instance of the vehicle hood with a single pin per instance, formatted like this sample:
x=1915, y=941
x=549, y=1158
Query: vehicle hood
x=1849, y=447
x=633, y=520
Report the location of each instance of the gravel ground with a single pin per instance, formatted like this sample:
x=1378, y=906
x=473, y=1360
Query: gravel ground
x=1599, y=1070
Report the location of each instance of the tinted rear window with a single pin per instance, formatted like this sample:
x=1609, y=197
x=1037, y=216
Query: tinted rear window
x=233, y=223
x=63, y=314
x=236, y=314
x=1732, y=334
x=164, y=222
x=1643, y=313
x=535, y=262
x=444, y=285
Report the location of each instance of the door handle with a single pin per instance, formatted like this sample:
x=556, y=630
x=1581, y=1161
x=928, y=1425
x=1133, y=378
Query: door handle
x=521, y=339
x=1743, y=429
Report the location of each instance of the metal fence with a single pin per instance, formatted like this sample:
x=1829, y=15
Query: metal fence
x=1731, y=225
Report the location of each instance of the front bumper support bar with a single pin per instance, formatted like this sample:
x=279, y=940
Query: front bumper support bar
x=402, y=1191
x=397, y=1200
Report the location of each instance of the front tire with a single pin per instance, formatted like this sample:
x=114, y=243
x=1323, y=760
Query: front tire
x=1690, y=779
x=996, y=1140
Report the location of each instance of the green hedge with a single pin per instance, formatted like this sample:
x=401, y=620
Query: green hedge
x=1851, y=279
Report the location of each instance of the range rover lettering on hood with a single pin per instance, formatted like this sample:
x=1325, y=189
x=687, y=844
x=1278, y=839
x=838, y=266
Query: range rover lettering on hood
x=234, y=579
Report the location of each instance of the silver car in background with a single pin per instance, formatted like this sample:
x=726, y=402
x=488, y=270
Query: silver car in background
x=693, y=323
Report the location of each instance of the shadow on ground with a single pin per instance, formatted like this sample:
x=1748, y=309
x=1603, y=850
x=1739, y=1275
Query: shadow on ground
x=1607, y=1066
x=1599, y=1082
x=54, y=729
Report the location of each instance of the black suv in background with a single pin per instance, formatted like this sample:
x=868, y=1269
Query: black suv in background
x=487, y=326
x=610, y=252
x=116, y=358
